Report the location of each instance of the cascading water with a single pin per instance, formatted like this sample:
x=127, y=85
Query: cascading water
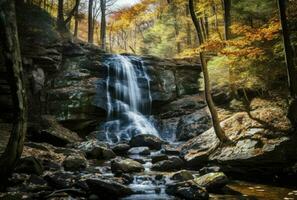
x=128, y=99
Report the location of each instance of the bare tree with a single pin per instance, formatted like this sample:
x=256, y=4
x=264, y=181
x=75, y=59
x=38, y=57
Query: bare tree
x=214, y=115
x=61, y=22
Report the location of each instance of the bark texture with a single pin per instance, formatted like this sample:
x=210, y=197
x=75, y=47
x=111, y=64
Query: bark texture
x=10, y=47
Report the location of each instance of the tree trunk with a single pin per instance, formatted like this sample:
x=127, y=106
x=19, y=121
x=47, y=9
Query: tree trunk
x=291, y=70
x=227, y=18
x=214, y=115
x=9, y=44
x=188, y=28
x=76, y=21
x=60, y=16
x=103, y=24
x=75, y=33
x=90, y=23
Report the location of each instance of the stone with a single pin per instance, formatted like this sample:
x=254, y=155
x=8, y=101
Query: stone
x=121, y=149
x=29, y=165
x=139, y=151
x=74, y=163
x=100, y=153
x=53, y=133
x=206, y=170
x=212, y=181
x=126, y=166
x=182, y=175
x=256, y=152
x=159, y=157
x=108, y=189
x=151, y=141
x=187, y=190
x=193, y=125
x=60, y=180
x=171, y=150
x=173, y=164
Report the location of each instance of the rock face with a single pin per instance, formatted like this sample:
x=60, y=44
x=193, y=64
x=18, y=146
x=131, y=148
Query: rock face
x=192, y=125
x=171, y=78
x=257, y=151
x=184, y=118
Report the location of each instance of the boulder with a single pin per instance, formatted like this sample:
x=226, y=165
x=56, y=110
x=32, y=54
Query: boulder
x=74, y=163
x=29, y=165
x=53, y=133
x=183, y=175
x=126, y=166
x=212, y=181
x=108, y=189
x=100, y=153
x=256, y=151
x=60, y=180
x=121, y=149
x=193, y=125
x=187, y=190
x=159, y=157
x=174, y=163
x=151, y=141
x=139, y=151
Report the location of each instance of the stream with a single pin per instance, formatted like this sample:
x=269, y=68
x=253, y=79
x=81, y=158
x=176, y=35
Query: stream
x=128, y=105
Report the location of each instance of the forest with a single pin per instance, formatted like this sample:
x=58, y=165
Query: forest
x=148, y=99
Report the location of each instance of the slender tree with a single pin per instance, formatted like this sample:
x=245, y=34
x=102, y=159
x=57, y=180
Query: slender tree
x=214, y=115
x=9, y=44
x=90, y=23
x=227, y=18
x=103, y=24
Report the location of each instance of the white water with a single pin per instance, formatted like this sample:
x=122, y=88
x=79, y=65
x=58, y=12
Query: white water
x=127, y=102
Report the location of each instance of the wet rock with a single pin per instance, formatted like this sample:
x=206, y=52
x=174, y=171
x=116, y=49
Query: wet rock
x=158, y=158
x=193, y=124
x=182, y=175
x=212, y=181
x=53, y=133
x=50, y=165
x=182, y=106
x=100, y=153
x=121, y=149
x=173, y=164
x=108, y=189
x=126, y=166
x=187, y=190
x=60, y=180
x=29, y=165
x=151, y=141
x=171, y=150
x=206, y=170
x=74, y=163
x=140, y=151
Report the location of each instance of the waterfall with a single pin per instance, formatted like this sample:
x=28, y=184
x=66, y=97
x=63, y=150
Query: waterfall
x=128, y=99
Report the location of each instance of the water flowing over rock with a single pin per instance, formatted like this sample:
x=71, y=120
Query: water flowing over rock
x=128, y=99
